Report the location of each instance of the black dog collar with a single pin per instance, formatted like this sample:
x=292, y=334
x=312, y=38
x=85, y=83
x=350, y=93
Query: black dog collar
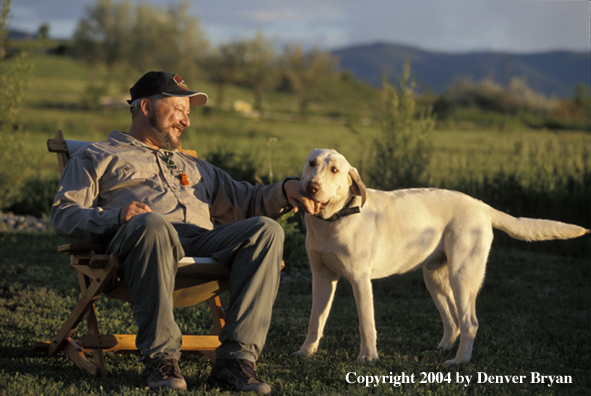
x=346, y=211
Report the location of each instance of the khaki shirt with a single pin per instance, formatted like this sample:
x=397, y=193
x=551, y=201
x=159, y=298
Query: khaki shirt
x=103, y=177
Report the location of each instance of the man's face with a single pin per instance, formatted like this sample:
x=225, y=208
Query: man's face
x=168, y=120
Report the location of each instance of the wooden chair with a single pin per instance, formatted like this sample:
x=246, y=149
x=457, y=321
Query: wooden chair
x=98, y=273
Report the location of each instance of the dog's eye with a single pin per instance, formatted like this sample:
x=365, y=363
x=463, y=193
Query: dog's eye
x=334, y=169
x=312, y=163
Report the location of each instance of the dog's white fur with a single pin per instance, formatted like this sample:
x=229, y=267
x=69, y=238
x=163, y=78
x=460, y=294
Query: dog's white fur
x=446, y=233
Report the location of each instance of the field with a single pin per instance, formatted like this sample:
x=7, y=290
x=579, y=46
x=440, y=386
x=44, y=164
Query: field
x=279, y=140
x=534, y=313
x=534, y=308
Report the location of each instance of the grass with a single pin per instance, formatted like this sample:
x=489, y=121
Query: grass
x=336, y=120
x=534, y=308
x=534, y=312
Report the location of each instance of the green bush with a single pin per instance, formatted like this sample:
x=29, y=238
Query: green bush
x=15, y=73
x=35, y=197
x=240, y=166
x=402, y=150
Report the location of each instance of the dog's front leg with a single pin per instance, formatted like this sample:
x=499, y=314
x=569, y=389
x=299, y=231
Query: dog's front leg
x=324, y=284
x=367, y=328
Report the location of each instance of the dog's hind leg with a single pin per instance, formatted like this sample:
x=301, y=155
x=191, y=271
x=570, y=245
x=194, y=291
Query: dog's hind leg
x=362, y=289
x=467, y=254
x=437, y=282
x=324, y=285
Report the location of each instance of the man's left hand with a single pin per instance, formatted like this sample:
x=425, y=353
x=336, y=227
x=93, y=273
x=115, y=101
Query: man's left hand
x=295, y=195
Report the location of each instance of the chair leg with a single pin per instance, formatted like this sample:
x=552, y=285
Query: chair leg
x=217, y=314
x=76, y=355
x=98, y=355
x=86, y=301
x=215, y=306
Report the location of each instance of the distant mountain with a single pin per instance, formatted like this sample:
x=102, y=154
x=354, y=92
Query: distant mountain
x=554, y=74
x=19, y=35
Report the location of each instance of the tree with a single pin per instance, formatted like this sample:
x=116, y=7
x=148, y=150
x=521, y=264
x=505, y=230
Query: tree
x=102, y=37
x=225, y=65
x=166, y=39
x=582, y=99
x=402, y=150
x=142, y=37
x=306, y=71
x=43, y=32
x=259, y=71
x=16, y=73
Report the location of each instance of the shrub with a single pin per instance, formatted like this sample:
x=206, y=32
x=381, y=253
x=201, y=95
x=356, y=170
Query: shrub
x=240, y=166
x=402, y=150
x=14, y=76
x=35, y=197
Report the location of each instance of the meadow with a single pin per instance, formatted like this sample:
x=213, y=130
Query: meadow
x=534, y=312
x=534, y=307
x=278, y=139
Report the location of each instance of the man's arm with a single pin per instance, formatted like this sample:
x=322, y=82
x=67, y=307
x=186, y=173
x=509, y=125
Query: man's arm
x=231, y=201
x=75, y=215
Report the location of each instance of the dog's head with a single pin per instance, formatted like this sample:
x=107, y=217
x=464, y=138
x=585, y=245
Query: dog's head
x=330, y=180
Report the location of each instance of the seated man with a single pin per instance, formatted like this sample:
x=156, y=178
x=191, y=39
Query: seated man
x=152, y=204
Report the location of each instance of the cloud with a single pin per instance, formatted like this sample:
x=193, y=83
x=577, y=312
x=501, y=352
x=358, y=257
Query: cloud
x=450, y=25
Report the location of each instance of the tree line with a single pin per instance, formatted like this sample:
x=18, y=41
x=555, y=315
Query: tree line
x=129, y=39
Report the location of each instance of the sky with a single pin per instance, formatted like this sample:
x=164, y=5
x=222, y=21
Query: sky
x=455, y=26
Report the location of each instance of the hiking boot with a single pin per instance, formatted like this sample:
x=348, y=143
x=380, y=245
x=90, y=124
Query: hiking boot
x=241, y=374
x=165, y=374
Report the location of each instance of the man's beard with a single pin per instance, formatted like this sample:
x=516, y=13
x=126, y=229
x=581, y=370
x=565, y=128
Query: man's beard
x=165, y=139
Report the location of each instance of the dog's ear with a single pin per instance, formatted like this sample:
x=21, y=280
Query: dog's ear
x=357, y=185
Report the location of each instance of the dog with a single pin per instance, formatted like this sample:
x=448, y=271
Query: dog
x=364, y=234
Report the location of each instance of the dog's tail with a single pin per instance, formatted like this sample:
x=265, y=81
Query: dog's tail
x=534, y=229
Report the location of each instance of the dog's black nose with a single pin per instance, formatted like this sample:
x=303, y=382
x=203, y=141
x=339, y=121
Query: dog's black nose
x=312, y=188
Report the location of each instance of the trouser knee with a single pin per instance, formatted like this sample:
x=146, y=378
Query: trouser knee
x=268, y=240
x=150, y=228
x=147, y=232
x=271, y=230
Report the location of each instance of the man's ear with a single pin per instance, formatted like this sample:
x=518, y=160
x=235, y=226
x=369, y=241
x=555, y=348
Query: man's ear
x=146, y=106
x=357, y=185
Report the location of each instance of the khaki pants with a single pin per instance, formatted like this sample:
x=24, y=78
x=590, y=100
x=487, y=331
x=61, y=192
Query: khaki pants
x=151, y=246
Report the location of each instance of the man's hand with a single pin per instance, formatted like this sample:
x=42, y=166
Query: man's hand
x=132, y=209
x=295, y=195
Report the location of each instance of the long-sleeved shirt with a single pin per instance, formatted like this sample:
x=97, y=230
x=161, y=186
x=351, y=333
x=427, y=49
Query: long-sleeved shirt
x=101, y=178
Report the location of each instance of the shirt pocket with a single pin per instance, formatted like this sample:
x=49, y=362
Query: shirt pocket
x=129, y=176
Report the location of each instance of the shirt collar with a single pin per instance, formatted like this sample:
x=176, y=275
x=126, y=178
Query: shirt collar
x=118, y=138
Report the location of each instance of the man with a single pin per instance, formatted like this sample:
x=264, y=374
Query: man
x=153, y=204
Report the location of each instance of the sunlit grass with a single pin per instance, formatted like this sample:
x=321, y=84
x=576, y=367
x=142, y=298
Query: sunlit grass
x=534, y=312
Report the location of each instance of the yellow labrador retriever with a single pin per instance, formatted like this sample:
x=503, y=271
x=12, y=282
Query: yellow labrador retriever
x=364, y=234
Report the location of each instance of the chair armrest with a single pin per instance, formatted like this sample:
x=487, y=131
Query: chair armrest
x=79, y=248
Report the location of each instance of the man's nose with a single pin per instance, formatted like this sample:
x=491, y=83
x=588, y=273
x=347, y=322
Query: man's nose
x=185, y=121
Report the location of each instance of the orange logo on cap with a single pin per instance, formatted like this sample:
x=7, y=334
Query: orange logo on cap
x=180, y=82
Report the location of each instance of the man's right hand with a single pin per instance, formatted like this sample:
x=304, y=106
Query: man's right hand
x=132, y=209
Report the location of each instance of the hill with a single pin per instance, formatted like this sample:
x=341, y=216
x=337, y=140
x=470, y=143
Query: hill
x=554, y=74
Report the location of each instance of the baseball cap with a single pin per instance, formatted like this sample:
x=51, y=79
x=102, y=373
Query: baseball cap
x=160, y=82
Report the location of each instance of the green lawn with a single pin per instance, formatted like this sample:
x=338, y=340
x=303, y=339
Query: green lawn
x=534, y=313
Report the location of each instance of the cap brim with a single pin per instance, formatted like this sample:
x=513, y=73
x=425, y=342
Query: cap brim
x=195, y=98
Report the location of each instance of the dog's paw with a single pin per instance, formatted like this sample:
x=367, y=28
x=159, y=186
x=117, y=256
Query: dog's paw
x=307, y=350
x=448, y=341
x=456, y=361
x=367, y=357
